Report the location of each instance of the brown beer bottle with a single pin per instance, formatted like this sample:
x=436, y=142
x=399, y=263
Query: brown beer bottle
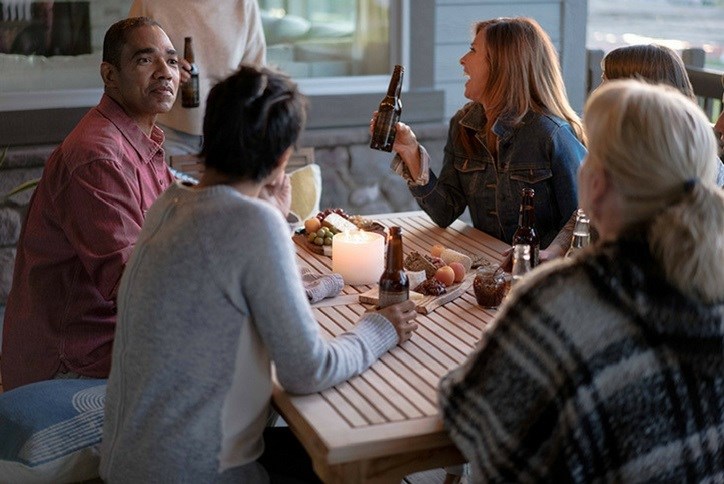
x=394, y=285
x=388, y=113
x=190, y=94
x=525, y=233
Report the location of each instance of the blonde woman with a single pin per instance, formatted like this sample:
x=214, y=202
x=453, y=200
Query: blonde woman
x=518, y=131
x=609, y=367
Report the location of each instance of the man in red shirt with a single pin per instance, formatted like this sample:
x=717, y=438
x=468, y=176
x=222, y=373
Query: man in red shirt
x=86, y=213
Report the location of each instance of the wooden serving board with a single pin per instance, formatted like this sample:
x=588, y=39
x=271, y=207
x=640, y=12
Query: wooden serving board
x=425, y=304
x=300, y=238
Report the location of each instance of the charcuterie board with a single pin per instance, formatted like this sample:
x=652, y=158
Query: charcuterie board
x=301, y=238
x=425, y=304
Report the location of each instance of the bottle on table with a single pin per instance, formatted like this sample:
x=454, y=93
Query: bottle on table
x=521, y=262
x=394, y=285
x=190, y=92
x=581, y=233
x=526, y=233
x=388, y=113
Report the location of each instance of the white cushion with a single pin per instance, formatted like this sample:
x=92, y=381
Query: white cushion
x=306, y=191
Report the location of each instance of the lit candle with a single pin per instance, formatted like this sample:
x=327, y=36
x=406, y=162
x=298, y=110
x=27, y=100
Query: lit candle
x=358, y=256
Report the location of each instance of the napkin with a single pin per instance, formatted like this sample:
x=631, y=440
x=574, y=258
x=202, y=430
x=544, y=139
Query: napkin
x=323, y=286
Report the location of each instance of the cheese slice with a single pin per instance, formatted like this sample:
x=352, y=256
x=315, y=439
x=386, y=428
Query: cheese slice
x=337, y=222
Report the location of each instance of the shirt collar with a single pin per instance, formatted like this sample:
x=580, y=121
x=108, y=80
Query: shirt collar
x=146, y=147
x=475, y=119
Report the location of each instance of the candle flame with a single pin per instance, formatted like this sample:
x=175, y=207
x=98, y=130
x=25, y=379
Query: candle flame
x=357, y=236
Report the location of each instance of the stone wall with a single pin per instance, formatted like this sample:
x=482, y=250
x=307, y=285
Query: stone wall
x=354, y=178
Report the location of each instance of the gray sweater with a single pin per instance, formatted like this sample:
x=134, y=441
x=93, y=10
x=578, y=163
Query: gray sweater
x=211, y=295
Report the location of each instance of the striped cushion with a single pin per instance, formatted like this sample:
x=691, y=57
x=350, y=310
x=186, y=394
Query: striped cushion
x=51, y=431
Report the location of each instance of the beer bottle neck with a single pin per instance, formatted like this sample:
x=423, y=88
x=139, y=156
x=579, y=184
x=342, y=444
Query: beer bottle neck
x=527, y=209
x=527, y=216
x=189, y=50
x=395, y=87
x=394, y=251
x=394, y=255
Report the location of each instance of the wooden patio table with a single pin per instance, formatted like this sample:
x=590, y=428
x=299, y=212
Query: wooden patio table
x=385, y=423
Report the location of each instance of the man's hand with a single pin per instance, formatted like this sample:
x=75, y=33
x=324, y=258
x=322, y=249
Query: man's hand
x=278, y=193
x=184, y=69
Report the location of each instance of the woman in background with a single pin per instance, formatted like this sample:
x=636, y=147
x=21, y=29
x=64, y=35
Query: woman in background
x=652, y=63
x=610, y=366
x=518, y=131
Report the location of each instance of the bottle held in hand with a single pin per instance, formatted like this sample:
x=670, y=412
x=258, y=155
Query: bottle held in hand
x=388, y=114
x=190, y=92
x=581, y=233
x=526, y=233
x=394, y=285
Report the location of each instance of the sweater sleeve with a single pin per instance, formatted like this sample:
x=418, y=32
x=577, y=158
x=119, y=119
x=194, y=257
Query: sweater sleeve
x=305, y=360
x=499, y=407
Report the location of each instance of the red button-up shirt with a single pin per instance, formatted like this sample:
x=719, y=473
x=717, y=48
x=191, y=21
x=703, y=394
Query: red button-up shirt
x=81, y=226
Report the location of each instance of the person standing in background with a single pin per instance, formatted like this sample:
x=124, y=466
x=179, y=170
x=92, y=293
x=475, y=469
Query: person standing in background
x=226, y=33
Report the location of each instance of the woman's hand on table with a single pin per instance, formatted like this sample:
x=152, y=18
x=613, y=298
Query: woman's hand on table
x=402, y=316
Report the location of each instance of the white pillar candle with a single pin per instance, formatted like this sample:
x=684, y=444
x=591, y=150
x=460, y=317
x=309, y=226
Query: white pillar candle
x=358, y=256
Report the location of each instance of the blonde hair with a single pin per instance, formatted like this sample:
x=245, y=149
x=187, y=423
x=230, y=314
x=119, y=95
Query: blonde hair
x=524, y=73
x=660, y=153
x=652, y=62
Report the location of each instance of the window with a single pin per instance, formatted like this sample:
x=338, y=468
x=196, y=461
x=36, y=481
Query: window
x=678, y=24
x=50, y=50
x=328, y=38
x=45, y=28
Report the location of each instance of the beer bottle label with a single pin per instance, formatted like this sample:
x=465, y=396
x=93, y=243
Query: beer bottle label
x=388, y=298
x=190, y=92
x=384, y=133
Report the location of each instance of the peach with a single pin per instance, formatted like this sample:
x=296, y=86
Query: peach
x=312, y=225
x=437, y=250
x=459, y=270
x=445, y=275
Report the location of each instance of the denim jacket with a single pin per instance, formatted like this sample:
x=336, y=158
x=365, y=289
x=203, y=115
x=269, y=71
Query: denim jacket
x=542, y=152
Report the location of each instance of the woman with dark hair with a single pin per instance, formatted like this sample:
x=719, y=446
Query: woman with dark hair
x=518, y=131
x=609, y=366
x=211, y=296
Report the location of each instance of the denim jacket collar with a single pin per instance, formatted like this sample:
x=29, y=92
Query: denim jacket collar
x=475, y=119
